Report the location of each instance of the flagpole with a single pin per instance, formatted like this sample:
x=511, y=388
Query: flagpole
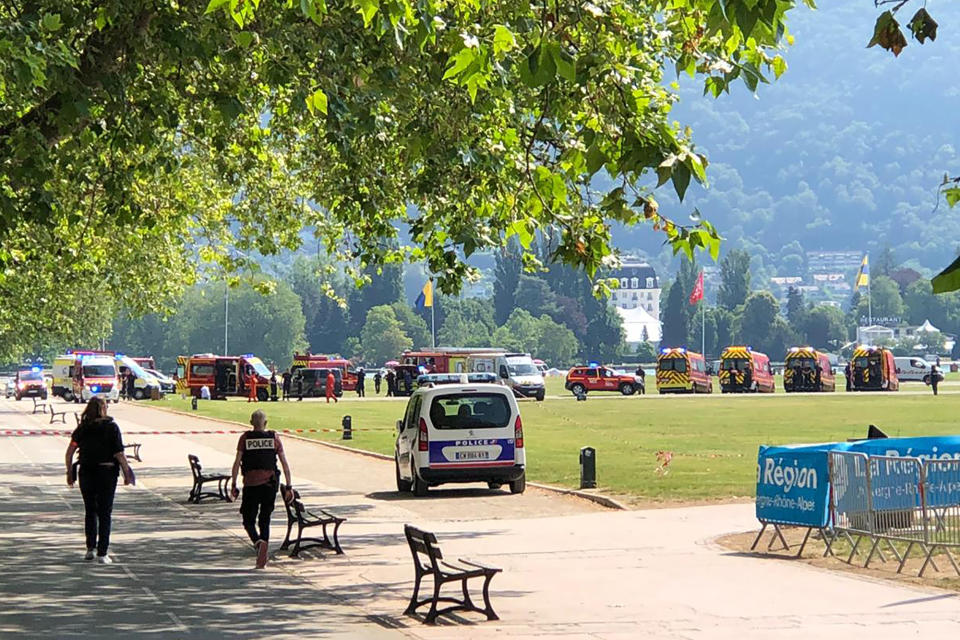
x=433, y=321
x=703, y=327
x=869, y=294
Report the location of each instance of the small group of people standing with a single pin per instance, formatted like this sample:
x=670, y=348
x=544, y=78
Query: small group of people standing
x=102, y=460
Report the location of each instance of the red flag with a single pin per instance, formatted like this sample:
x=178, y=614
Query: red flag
x=697, y=294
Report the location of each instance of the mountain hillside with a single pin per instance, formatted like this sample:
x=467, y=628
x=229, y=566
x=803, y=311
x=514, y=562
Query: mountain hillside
x=844, y=152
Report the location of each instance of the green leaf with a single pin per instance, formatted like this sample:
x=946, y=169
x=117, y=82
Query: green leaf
x=503, y=40
x=681, y=179
x=459, y=62
x=317, y=101
x=564, y=62
x=595, y=159
x=923, y=26
x=215, y=4
x=953, y=196
x=887, y=34
x=243, y=38
x=368, y=9
x=51, y=21
x=947, y=280
x=779, y=66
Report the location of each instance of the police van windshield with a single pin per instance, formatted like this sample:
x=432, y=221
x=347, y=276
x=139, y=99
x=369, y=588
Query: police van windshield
x=99, y=371
x=736, y=364
x=474, y=411
x=522, y=369
x=673, y=364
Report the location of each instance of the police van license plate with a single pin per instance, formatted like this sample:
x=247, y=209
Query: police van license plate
x=472, y=455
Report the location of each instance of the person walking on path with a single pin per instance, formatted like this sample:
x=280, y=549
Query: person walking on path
x=286, y=384
x=252, y=387
x=331, y=388
x=257, y=453
x=846, y=374
x=935, y=378
x=299, y=382
x=273, y=386
x=376, y=382
x=101, y=460
x=361, y=382
x=391, y=383
x=123, y=385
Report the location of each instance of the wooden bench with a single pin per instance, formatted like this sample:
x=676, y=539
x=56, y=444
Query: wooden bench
x=299, y=515
x=54, y=413
x=199, y=478
x=135, y=446
x=39, y=405
x=424, y=544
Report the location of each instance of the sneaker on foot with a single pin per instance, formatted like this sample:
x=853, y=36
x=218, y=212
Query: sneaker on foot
x=90, y=554
x=104, y=560
x=261, y=554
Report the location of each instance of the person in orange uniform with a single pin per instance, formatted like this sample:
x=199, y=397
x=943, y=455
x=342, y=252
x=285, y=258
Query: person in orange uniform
x=252, y=387
x=331, y=388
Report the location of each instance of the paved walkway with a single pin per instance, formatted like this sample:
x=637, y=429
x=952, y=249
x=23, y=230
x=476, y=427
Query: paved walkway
x=571, y=569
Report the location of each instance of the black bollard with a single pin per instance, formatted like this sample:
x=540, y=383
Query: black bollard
x=193, y=403
x=588, y=468
x=347, y=428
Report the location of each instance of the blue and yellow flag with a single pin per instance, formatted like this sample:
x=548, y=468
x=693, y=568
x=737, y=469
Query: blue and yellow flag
x=425, y=299
x=863, y=274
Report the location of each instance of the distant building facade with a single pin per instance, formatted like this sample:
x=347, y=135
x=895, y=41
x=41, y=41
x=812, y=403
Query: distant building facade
x=639, y=288
x=833, y=261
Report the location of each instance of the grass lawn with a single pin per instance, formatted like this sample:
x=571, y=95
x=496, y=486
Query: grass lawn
x=714, y=438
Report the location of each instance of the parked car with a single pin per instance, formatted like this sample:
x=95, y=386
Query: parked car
x=315, y=381
x=167, y=384
x=460, y=433
x=580, y=380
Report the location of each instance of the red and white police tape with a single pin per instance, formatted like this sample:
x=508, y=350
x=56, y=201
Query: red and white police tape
x=173, y=432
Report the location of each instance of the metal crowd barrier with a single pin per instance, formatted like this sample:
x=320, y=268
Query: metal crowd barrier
x=883, y=499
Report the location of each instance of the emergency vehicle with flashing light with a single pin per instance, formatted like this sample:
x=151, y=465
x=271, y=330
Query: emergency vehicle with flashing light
x=95, y=375
x=222, y=375
x=806, y=369
x=682, y=371
x=460, y=433
x=348, y=377
x=595, y=377
x=743, y=370
x=29, y=383
x=873, y=369
x=67, y=370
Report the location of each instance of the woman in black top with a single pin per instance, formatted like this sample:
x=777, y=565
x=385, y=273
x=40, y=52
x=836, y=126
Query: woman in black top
x=101, y=459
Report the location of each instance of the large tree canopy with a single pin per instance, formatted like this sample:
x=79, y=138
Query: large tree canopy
x=141, y=140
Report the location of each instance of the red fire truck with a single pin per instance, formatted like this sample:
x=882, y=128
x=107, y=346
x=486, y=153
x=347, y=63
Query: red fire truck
x=318, y=361
x=222, y=375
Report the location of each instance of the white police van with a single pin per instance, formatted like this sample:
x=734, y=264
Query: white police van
x=913, y=368
x=460, y=433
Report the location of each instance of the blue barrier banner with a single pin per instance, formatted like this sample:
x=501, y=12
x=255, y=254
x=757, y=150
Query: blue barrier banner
x=793, y=484
x=894, y=484
x=926, y=448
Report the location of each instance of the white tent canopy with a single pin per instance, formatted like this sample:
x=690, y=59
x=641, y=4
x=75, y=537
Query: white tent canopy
x=927, y=327
x=635, y=321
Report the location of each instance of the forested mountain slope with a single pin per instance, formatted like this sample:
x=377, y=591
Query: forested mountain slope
x=845, y=151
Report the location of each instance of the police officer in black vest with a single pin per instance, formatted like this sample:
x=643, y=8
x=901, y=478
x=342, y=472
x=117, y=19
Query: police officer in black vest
x=257, y=454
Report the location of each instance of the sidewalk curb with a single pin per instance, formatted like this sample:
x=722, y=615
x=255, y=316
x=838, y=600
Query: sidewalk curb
x=602, y=500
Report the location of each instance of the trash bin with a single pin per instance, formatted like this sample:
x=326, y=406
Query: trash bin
x=193, y=403
x=347, y=428
x=588, y=468
x=954, y=367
